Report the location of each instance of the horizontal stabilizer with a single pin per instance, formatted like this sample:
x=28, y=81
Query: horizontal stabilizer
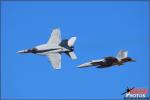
x=72, y=55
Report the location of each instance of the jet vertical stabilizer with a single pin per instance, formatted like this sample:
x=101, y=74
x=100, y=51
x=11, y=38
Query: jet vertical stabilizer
x=122, y=54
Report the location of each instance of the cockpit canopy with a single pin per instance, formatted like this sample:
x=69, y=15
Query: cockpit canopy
x=34, y=49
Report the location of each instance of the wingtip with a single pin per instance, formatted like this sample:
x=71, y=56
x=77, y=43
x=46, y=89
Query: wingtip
x=75, y=58
x=74, y=37
x=57, y=68
x=56, y=28
x=123, y=50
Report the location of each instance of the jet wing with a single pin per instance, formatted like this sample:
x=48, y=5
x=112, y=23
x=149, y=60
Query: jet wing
x=55, y=59
x=92, y=63
x=98, y=63
x=55, y=38
x=101, y=60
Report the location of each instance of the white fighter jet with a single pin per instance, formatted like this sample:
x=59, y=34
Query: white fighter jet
x=109, y=61
x=54, y=48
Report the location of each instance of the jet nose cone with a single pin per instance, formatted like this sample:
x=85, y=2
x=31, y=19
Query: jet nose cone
x=82, y=65
x=133, y=60
x=79, y=66
x=22, y=51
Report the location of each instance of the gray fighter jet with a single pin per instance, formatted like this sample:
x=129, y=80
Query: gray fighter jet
x=54, y=48
x=109, y=61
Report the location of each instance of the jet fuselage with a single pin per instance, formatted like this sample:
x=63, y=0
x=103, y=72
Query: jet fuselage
x=44, y=50
x=107, y=62
x=112, y=61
